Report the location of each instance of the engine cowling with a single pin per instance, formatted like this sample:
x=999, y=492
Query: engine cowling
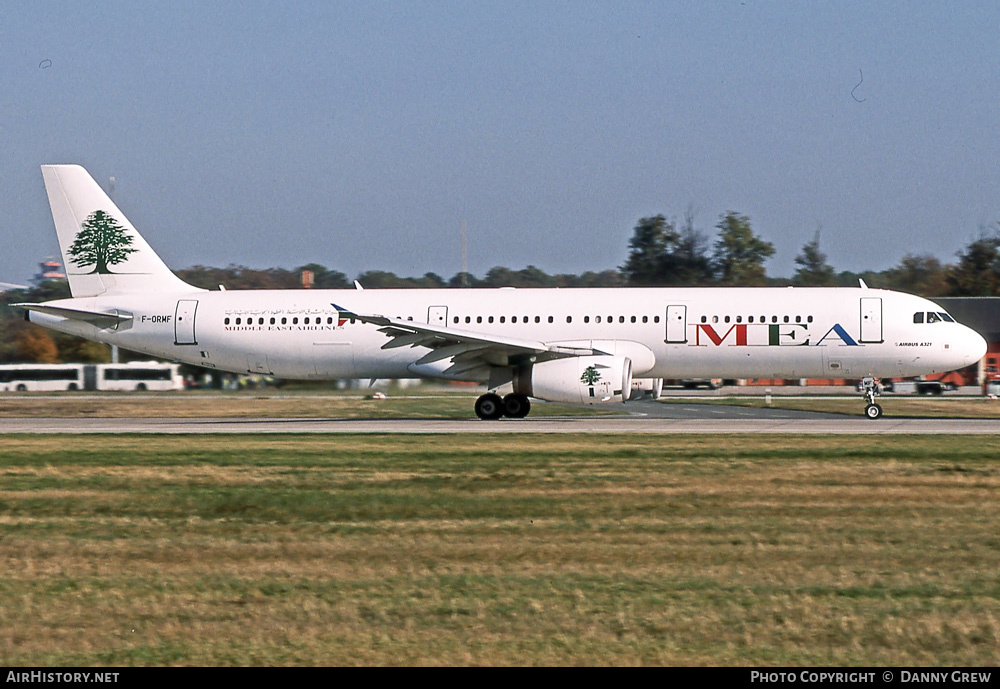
x=577, y=380
x=652, y=387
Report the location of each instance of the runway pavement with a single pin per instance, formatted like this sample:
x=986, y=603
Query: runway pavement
x=648, y=417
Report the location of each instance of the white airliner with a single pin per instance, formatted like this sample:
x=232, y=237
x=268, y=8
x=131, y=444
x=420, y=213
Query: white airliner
x=583, y=346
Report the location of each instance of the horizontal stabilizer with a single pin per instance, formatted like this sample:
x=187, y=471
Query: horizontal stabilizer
x=107, y=320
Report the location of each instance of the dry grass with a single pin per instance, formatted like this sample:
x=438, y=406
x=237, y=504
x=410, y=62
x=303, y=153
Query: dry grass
x=255, y=405
x=313, y=550
x=895, y=407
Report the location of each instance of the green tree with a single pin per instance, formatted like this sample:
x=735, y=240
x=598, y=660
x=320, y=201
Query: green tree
x=324, y=278
x=101, y=243
x=813, y=270
x=921, y=275
x=660, y=254
x=648, y=246
x=739, y=254
x=690, y=264
x=977, y=273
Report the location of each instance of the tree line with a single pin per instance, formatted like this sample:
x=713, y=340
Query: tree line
x=662, y=252
x=665, y=253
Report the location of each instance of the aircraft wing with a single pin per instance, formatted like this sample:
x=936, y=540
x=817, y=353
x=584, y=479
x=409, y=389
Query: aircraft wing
x=472, y=353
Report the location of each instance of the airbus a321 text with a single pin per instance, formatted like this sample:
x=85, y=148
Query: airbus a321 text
x=583, y=346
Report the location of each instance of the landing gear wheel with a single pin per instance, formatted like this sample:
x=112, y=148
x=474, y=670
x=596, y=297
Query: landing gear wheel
x=516, y=405
x=869, y=386
x=489, y=407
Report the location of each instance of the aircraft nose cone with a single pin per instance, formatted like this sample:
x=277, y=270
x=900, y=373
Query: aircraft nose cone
x=975, y=347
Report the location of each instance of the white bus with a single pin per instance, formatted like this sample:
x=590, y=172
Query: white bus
x=41, y=377
x=136, y=375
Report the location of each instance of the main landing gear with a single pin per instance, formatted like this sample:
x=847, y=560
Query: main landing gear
x=490, y=407
x=869, y=386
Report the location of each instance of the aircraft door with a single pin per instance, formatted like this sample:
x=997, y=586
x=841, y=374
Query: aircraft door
x=871, y=319
x=184, y=322
x=676, y=324
x=437, y=315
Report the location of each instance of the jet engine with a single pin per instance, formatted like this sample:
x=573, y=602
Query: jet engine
x=577, y=380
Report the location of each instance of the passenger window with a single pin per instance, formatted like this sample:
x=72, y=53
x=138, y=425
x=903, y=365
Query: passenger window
x=569, y=319
x=227, y=321
x=586, y=319
x=739, y=319
x=704, y=319
x=597, y=319
x=468, y=319
x=656, y=319
x=726, y=319
x=645, y=319
x=490, y=319
x=238, y=321
x=479, y=319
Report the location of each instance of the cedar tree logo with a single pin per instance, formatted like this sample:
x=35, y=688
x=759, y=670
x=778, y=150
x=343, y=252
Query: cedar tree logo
x=101, y=243
x=590, y=375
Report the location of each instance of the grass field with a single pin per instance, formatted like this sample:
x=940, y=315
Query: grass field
x=408, y=405
x=895, y=407
x=498, y=550
x=420, y=403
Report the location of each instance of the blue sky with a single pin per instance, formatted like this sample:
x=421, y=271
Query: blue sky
x=361, y=135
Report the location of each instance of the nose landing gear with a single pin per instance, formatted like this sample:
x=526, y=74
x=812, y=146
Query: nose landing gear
x=869, y=386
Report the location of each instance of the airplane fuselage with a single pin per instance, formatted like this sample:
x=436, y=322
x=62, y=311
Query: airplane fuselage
x=665, y=332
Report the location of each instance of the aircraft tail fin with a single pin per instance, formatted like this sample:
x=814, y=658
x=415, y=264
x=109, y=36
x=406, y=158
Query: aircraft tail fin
x=102, y=251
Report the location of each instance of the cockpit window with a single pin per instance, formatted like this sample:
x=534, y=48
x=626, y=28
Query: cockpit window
x=918, y=317
x=932, y=317
x=946, y=317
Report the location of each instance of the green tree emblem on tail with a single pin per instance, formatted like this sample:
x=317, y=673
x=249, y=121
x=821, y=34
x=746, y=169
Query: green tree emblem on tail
x=101, y=243
x=590, y=375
